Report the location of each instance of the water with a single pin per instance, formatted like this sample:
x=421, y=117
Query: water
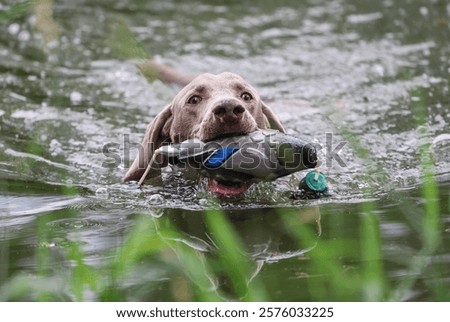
x=375, y=71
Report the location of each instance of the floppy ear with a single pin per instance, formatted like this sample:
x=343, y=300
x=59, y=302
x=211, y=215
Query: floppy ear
x=156, y=134
x=271, y=119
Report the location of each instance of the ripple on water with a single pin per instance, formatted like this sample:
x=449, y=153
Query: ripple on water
x=74, y=224
x=18, y=212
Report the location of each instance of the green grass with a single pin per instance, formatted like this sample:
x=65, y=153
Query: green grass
x=15, y=12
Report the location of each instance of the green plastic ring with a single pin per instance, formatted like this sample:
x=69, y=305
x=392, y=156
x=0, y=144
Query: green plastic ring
x=318, y=184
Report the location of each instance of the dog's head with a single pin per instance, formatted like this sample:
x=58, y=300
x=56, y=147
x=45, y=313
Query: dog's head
x=209, y=107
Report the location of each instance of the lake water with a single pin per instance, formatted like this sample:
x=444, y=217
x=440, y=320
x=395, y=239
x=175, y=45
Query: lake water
x=372, y=76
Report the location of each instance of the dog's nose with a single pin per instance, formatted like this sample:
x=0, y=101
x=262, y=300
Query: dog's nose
x=228, y=108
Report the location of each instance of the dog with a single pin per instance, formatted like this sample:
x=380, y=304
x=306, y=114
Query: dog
x=208, y=107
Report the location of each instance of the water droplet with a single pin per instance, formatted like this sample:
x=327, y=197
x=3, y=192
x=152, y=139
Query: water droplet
x=14, y=28
x=155, y=199
x=102, y=193
x=55, y=147
x=24, y=36
x=423, y=11
x=378, y=70
x=76, y=97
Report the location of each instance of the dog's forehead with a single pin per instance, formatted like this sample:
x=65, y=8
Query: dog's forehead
x=209, y=82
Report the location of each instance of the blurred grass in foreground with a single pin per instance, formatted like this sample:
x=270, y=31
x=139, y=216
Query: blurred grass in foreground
x=156, y=261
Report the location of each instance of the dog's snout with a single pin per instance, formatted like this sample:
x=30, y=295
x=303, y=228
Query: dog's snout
x=228, y=108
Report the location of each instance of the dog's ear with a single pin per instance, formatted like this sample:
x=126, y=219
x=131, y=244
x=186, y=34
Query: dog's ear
x=271, y=119
x=158, y=132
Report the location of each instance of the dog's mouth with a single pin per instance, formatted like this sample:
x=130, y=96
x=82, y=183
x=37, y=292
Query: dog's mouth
x=227, y=188
x=220, y=130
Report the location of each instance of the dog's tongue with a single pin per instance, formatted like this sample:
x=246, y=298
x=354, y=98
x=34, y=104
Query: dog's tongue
x=223, y=190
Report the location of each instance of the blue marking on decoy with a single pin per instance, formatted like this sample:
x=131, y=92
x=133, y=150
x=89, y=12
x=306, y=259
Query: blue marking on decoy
x=219, y=157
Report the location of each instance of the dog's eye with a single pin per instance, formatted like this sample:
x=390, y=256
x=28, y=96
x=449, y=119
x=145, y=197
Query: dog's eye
x=195, y=99
x=246, y=96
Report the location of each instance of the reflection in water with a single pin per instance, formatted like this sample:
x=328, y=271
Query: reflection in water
x=263, y=233
x=261, y=230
